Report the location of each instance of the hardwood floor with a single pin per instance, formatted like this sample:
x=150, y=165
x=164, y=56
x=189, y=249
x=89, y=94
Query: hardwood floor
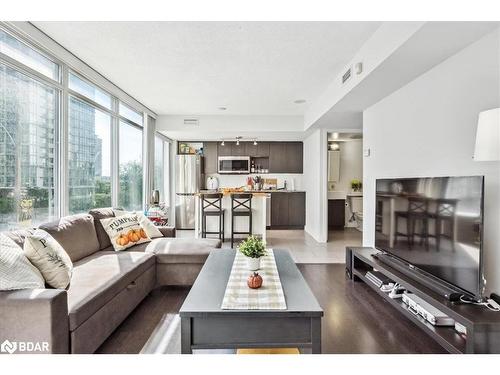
x=356, y=320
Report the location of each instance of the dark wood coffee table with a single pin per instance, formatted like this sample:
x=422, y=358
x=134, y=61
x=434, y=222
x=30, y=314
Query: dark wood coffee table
x=204, y=325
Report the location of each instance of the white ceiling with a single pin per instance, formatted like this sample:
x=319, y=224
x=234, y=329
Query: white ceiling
x=252, y=68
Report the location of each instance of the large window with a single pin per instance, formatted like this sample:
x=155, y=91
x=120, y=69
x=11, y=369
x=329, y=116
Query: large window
x=161, y=168
x=130, y=114
x=64, y=149
x=89, y=90
x=19, y=51
x=131, y=173
x=89, y=157
x=28, y=122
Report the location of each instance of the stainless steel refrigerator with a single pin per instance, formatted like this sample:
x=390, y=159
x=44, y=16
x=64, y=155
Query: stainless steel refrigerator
x=189, y=181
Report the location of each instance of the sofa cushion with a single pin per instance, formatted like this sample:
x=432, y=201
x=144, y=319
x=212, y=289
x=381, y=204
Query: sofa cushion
x=102, y=236
x=76, y=234
x=46, y=254
x=182, y=250
x=19, y=235
x=100, y=277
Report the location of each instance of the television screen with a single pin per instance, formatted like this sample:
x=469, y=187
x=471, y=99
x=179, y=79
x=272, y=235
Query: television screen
x=435, y=224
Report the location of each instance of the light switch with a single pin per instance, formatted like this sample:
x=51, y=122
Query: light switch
x=366, y=152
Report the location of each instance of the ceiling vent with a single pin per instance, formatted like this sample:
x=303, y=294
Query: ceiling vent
x=346, y=76
x=191, y=122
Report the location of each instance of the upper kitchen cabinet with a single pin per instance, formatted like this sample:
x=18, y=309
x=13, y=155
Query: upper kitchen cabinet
x=286, y=157
x=224, y=150
x=295, y=156
x=210, y=154
x=239, y=150
x=277, y=157
x=261, y=150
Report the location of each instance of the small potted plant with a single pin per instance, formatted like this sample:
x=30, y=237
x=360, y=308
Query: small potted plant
x=253, y=248
x=356, y=185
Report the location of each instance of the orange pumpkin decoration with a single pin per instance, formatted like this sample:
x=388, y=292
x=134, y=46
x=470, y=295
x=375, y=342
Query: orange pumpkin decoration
x=122, y=240
x=133, y=236
x=254, y=281
x=142, y=233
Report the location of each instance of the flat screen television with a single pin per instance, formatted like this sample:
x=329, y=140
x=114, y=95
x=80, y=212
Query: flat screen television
x=434, y=224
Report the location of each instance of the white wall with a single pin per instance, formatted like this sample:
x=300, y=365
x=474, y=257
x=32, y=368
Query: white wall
x=351, y=164
x=427, y=128
x=315, y=184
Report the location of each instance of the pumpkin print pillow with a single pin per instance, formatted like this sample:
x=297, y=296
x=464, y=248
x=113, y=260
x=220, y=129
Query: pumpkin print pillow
x=125, y=231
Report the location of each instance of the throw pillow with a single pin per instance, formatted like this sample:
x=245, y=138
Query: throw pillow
x=125, y=231
x=148, y=226
x=50, y=258
x=16, y=271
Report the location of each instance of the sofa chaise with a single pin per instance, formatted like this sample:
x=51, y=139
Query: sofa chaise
x=105, y=287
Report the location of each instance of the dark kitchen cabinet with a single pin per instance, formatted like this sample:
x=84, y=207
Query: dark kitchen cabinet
x=336, y=213
x=251, y=149
x=294, y=155
x=286, y=157
x=279, y=209
x=277, y=157
x=261, y=150
x=296, y=209
x=224, y=150
x=238, y=150
x=288, y=210
x=210, y=156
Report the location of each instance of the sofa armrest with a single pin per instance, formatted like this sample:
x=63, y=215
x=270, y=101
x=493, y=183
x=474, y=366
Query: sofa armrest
x=35, y=315
x=167, y=231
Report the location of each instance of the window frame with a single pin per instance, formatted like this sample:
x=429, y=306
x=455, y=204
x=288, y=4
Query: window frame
x=29, y=36
x=166, y=166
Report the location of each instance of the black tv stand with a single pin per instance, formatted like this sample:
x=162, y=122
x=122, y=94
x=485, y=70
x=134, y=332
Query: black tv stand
x=483, y=325
x=424, y=279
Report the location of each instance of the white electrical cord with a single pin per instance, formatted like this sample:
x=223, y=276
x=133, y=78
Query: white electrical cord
x=490, y=304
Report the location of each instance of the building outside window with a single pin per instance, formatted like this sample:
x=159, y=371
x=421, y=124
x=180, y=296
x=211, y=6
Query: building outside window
x=28, y=120
x=89, y=157
x=31, y=129
x=130, y=196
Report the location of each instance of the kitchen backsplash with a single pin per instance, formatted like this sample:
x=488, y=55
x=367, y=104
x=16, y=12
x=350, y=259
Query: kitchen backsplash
x=230, y=180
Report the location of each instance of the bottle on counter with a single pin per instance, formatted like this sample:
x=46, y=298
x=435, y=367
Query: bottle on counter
x=252, y=168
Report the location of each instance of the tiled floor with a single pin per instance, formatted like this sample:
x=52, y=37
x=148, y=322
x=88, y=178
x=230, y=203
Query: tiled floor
x=303, y=247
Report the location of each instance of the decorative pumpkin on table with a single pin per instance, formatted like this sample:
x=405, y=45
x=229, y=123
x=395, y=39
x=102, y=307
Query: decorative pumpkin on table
x=254, y=281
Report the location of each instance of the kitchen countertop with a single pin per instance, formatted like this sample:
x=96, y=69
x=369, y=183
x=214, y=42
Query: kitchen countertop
x=254, y=191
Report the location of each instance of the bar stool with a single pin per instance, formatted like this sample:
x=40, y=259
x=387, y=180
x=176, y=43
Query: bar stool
x=417, y=212
x=241, y=205
x=211, y=205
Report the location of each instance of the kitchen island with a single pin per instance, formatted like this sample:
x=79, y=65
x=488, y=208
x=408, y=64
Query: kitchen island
x=241, y=223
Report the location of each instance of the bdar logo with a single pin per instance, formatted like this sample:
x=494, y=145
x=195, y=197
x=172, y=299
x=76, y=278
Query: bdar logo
x=8, y=347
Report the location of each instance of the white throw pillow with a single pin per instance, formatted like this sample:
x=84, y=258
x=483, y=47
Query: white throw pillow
x=148, y=226
x=16, y=271
x=50, y=258
x=125, y=231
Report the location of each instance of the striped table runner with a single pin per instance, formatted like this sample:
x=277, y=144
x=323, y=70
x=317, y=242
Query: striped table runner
x=239, y=296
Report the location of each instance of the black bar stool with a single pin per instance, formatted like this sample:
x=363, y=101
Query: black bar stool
x=211, y=205
x=241, y=205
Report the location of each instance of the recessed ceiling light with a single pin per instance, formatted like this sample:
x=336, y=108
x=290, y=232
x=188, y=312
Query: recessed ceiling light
x=222, y=108
x=299, y=101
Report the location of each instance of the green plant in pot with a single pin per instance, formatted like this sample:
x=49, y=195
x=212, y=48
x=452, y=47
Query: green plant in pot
x=356, y=185
x=253, y=248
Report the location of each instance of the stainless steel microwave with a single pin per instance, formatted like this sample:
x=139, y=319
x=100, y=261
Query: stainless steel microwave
x=234, y=164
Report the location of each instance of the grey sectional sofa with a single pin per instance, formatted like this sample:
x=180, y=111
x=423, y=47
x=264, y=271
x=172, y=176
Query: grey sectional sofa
x=105, y=287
